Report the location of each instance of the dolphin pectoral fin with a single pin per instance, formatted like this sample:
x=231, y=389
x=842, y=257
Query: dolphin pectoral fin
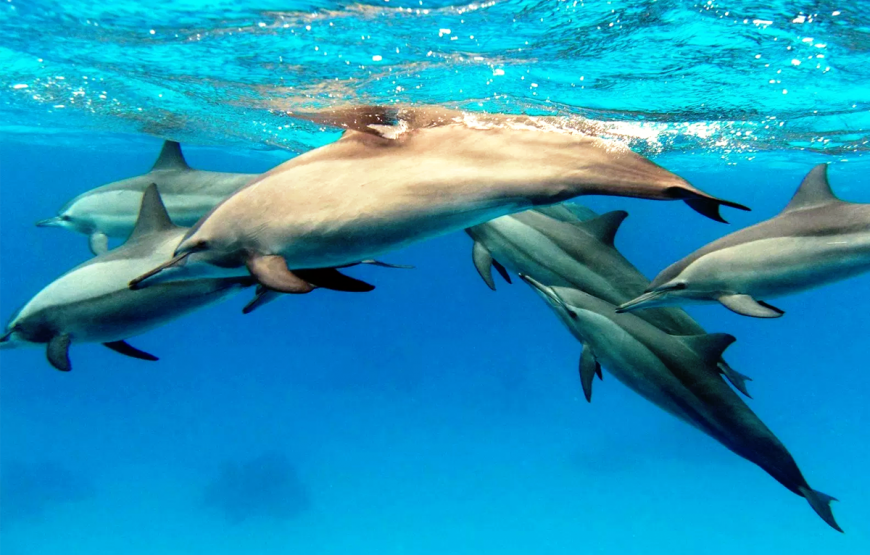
x=737, y=379
x=98, y=242
x=57, y=352
x=271, y=272
x=261, y=296
x=126, y=349
x=387, y=264
x=483, y=262
x=501, y=270
x=589, y=367
x=330, y=278
x=747, y=306
x=821, y=503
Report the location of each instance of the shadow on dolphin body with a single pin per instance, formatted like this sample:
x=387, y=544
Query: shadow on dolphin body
x=817, y=239
x=380, y=188
x=678, y=374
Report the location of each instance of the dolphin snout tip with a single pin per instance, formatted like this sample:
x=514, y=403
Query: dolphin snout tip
x=50, y=222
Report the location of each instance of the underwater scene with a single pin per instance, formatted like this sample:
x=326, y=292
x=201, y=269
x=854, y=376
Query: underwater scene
x=434, y=277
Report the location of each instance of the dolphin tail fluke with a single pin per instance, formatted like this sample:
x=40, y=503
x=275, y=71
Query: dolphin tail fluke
x=261, y=296
x=484, y=262
x=126, y=349
x=745, y=305
x=57, y=352
x=704, y=204
x=821, y=503
x=330, y=278
x=271, y=272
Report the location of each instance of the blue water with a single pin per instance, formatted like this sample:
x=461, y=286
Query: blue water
x=431, y=415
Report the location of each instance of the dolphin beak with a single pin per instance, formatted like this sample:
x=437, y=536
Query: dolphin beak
x=541, y=289
x=6, y=340
x=637, y=303
x=57, y=221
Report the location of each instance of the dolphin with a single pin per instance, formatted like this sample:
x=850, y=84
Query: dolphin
x=569, y=245
x=679, y=375
x=111, y=210
x=376, y=189
x=92, y=303
x=817, y=239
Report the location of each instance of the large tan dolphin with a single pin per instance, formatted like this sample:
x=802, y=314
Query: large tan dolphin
x=111, y=210
x=382, y=187
x=679, y=375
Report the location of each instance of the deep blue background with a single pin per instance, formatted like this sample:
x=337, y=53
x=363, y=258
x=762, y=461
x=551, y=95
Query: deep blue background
x=429, y=416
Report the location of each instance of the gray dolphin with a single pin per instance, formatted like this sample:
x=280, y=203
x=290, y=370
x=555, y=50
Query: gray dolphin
x=111, y=210
x=817, y=239
x=376, y=190
x=92, y=303
x=679, y=375
x=569, y=245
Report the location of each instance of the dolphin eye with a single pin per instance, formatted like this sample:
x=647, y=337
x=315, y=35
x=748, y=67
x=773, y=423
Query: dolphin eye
x=572, y=314
x=679, y=286
x=65, y=218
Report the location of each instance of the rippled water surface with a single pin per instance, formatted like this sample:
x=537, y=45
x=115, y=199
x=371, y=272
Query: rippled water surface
x=733, y=77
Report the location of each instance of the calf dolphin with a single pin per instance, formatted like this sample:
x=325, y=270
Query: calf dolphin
x=817, y=239
x=92, y=303
x=569, y=245
x=367, y=194
x=679, y=375
x=111, y=210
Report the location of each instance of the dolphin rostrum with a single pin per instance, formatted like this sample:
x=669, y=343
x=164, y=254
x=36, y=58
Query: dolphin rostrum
x=817, y=239
x=375, y=190
x=92, y=302
x=679, y=375
x=569, y=245
x=111, y=210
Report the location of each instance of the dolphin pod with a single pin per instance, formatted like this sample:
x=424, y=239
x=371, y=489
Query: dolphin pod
x=817, y=239
x=111, y=210
x=572, y=246
x=680, y=375
x=403, y=175
x=379, y=188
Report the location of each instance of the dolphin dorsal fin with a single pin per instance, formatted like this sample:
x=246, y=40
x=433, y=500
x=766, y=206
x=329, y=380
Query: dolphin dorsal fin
x=814, y=191
x=152, y=215
x=708, y=346
x=604, y=227
x=170, y=158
